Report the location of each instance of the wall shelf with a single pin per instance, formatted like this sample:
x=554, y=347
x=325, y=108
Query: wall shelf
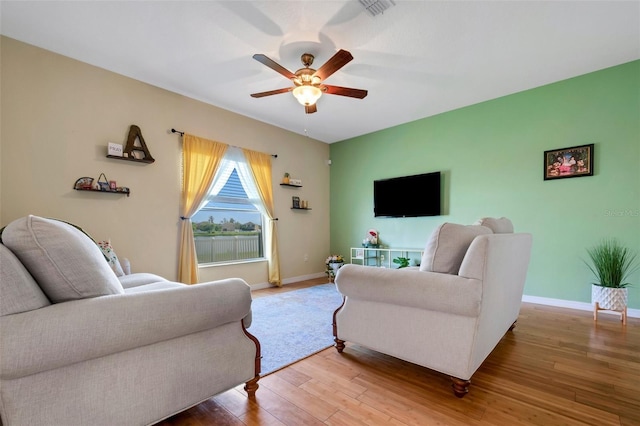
x=125, y=191
x=300, y=208
x=135, y=160
x=293, y=186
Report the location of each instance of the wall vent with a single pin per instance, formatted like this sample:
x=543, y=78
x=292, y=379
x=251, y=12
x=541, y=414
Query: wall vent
x=376, y=7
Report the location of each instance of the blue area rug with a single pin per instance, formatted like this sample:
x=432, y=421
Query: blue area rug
x=294, y=324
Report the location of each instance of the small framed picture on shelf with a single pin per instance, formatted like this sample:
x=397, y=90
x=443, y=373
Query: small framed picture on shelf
x=296, y=202
x=112, y=185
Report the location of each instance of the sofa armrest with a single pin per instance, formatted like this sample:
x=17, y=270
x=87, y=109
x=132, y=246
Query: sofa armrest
x=75, y=331
x=412, y=288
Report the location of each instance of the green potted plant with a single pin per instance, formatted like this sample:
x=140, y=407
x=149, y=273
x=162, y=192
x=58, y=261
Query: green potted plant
x=285, y=179
x=403, y=262
x=611, y=264
x=332, y=264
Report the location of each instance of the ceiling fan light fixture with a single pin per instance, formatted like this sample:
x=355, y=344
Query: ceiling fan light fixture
x=307, y=95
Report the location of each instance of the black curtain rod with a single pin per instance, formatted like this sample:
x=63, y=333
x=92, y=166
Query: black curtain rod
x=182, y=134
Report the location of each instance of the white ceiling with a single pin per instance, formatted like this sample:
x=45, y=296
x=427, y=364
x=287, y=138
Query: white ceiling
x=418, y=59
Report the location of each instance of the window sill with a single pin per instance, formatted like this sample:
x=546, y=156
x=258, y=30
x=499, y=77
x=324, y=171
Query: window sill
x=231, y=262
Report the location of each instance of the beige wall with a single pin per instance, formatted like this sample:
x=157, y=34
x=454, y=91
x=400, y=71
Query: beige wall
x=57, y=116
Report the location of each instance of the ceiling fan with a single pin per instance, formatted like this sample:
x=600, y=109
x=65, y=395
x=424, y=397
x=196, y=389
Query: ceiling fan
x=307, y=82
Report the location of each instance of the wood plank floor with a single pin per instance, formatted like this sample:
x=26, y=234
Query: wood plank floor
x=557, y=367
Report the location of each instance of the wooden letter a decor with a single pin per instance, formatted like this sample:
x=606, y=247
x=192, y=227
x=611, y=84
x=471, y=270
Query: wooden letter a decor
x=131, y=147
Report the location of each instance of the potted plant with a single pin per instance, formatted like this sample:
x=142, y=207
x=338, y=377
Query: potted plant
x=403, y=262
x=285, y=179
x=333, y=263
x=611, y=264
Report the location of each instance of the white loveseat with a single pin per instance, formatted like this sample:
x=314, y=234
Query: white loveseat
x=79, y=346
x=450, y=313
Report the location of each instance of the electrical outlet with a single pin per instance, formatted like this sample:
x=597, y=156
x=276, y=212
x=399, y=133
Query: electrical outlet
x=306, y=257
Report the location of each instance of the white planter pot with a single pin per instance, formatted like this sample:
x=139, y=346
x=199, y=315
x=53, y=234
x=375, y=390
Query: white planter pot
x=336, y=265
x=613, y=299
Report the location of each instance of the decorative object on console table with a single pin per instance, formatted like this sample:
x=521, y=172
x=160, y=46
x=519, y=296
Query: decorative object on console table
x=371, y=239
x=575, y=161
x=402, y=262
x=333, y=263
x=612, y=264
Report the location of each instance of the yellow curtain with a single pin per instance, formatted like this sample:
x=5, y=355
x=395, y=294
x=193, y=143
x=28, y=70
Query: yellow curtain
x=200, y=160
x=260, y=165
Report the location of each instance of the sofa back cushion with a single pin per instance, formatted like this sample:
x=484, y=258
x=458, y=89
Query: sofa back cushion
x=65, y=262
x=447, y=246
x=498, y=226
x=20, y=292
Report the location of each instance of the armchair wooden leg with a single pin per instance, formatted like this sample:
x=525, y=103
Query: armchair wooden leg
x=339, y=343
x=251, y=387
x=513, y=325
x=460, y=387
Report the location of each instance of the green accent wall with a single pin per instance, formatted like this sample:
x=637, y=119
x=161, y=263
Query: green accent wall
x=491, y=157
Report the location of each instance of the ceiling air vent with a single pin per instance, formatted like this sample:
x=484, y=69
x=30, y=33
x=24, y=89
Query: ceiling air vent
x=376, y=7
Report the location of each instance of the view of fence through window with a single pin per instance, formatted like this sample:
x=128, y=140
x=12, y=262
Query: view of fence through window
x=228, y=228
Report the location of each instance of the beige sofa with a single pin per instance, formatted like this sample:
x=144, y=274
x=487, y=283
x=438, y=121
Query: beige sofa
x=447, y=315
x=80, y=346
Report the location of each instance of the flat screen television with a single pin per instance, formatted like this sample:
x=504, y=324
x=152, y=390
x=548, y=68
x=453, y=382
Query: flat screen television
x=407, y=196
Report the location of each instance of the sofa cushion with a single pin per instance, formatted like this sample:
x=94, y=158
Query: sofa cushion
x=65, y=262
x=138, y=279
x=447, y=246
x=498, y=226
x=20, y=292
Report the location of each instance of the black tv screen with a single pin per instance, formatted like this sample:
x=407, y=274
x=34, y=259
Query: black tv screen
x=407, y=196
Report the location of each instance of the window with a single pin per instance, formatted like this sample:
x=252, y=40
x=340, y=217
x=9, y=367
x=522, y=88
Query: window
x=229, y=226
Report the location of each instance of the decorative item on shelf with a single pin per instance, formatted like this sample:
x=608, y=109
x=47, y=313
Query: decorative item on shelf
x=84, y=183
x=132, y=151
x=372, y=239
x=286, y=179
x=403, y=262
x=114, y=149
x=98, y=185
x=295, y=182
x=296, y=202
x=612, y=264
x=333, y=263
x=104, y=184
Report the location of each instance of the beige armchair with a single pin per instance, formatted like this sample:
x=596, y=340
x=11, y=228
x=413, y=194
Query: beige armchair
x=80, y=346
x=447, y=315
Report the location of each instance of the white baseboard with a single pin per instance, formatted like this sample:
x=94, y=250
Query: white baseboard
x=292, y=280
x=583, y=306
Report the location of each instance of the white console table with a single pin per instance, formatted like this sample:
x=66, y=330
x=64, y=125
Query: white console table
x=383, y=257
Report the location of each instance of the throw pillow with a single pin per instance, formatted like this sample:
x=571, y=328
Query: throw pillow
x=65, y=262
x=498, y=226
x=112, y=258
x=447, y=246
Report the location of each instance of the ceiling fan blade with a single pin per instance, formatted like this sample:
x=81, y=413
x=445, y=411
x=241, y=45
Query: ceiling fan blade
x=273, y=65
x=344, y=91
x=336, y=62
x=310, y=109
x=271, y=92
